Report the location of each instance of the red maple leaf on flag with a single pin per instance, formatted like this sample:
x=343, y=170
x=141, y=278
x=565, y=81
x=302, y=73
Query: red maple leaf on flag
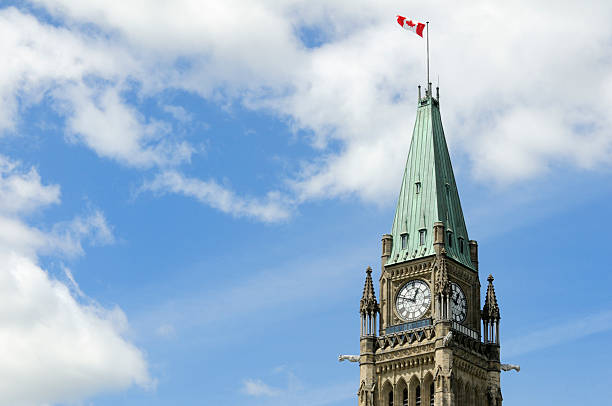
x=409, y=25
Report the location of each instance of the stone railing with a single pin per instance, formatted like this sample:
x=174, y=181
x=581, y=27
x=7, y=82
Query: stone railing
x=465, y=330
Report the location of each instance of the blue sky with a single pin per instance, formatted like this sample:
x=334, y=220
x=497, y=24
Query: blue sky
x=190, y=192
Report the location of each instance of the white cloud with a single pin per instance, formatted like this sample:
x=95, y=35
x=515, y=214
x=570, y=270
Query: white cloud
x=67, y=238
x=54, y=347
x=519, y=95
x=22, y=192
x=84, y=74
x=108, y=126
x=166, y=331
x=256, y=387
x=297, y=393
x=272, y=208
x=179, y=113
x=43, y=57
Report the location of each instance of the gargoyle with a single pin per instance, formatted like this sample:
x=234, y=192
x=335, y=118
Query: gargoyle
x=509, y=367
x=350, y=358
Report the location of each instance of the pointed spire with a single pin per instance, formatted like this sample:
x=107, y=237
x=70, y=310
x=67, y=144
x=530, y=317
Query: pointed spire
x=428, y=193
x=368, y=300
x=490, y=310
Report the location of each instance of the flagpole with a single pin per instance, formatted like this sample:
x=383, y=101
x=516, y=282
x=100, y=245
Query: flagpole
x=428, y=85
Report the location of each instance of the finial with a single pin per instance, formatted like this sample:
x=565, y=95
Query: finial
x=369, y=271
x=490, y=278
x=419, y=93
x=438, y=93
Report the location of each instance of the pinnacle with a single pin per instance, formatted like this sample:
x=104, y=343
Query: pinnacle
x=490, y=310
x=368, y=300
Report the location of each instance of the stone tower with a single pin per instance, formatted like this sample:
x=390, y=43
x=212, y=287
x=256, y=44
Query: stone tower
x=434, y=345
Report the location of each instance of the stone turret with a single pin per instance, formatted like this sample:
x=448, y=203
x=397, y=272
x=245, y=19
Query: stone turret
x=368, y=308
x=490, y=315
x=490, y=320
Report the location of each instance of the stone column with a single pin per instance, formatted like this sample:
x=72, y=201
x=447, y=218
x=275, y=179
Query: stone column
x=443, y=358
x=367, y=367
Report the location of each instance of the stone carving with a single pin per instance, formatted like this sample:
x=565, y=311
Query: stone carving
x=349, y=358
x=441, y=283
x=510, y=367
x=447, y=339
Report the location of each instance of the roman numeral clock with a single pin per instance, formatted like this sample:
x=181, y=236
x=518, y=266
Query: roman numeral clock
x=413, y=300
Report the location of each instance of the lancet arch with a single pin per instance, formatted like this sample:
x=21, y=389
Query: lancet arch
x=401, y=392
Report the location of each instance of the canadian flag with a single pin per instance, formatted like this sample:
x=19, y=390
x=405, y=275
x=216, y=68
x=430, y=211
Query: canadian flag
x=417, y=28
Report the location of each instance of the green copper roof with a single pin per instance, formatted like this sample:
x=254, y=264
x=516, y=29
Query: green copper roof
x=436, y=199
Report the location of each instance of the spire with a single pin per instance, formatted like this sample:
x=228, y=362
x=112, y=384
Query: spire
x=368, y=300
x=490, y=310
x=428, y=194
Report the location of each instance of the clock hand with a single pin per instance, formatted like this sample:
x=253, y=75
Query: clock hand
x=405, y=297
x=416, y=292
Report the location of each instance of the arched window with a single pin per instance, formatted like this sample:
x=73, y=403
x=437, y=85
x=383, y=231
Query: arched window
x=405, y=398
x=431, y=394
x=391, y=398
x=404, y=241
x=422, y=234
x=418, y=396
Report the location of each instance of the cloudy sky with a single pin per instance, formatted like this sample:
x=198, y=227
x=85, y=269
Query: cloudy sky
x=190, y=191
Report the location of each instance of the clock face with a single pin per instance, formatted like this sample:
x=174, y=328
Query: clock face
x=458, y=303
x=413, y=300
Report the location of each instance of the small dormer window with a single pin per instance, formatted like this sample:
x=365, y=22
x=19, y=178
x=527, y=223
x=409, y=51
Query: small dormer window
x=417, y=187
x=422, y=235
x=404, y=241
x=450, y=239
x=461, y=245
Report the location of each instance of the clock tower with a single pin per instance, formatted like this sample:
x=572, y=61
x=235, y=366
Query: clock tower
x=429, y=342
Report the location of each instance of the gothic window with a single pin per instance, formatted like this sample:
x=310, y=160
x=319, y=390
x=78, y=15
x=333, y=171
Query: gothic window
x=417, y=187
x=405, y=398
x=450, y=239
x=461, y=244
x=391, y=398
x=404, y=241
x=431, y=394
x=422, y=234
x=418, y=396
